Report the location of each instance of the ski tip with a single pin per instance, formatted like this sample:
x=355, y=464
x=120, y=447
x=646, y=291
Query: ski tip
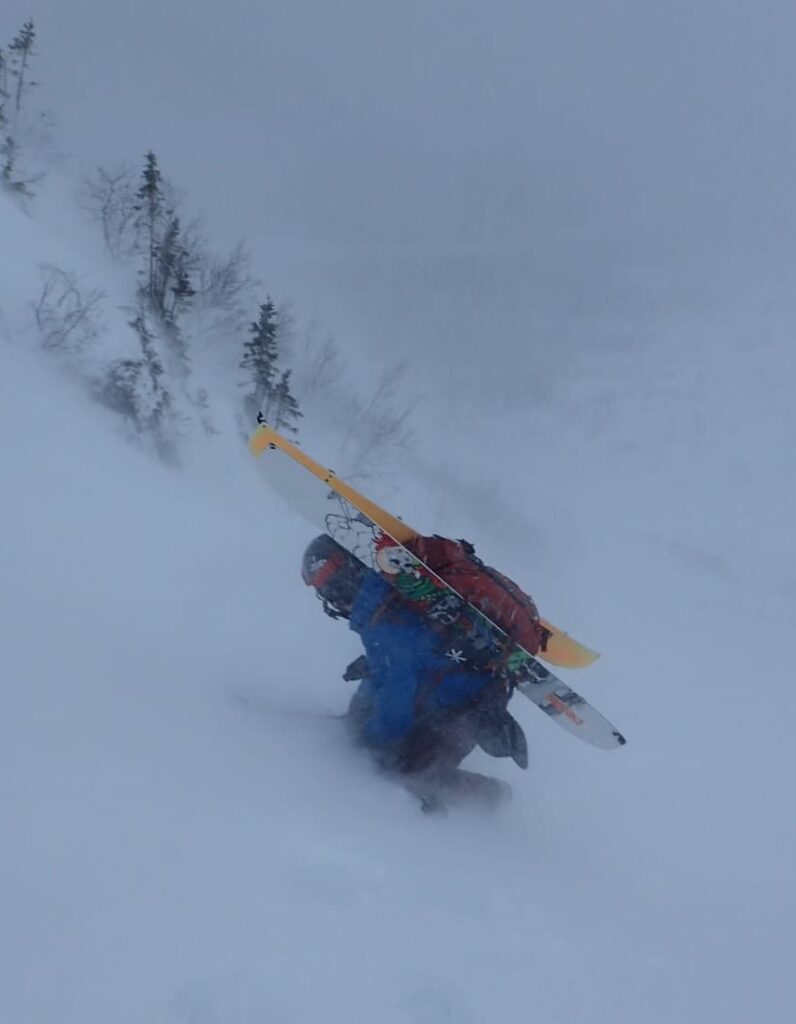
x=260, y=440
x=564, y=651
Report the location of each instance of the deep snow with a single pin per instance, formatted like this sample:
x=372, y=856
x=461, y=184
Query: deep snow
x=169, y=856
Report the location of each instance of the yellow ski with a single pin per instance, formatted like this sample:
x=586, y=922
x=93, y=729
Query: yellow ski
x=562, y=649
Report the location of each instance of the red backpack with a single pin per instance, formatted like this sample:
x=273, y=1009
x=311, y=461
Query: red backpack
x=498, y=597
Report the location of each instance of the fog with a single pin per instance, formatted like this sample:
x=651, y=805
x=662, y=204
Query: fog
x=431, y=178
x=574, y=222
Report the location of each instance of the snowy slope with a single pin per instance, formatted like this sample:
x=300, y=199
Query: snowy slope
x=172, y=857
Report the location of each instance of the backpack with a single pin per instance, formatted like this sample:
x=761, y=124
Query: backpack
x=498, y=597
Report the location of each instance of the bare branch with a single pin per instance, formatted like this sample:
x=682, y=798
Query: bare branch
x=321, y=366
x=68, y=317
x=108, y=197
x=376, y=428
x=226, y=282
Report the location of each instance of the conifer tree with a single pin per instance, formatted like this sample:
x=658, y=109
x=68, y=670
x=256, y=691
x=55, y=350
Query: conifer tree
x=286, y=409
x=15, y=84
x=260, y=354
x=21, y=50
x=172, y=284
x=150, y=209
x=3, y=92
x=165, y=280
x=153, y=403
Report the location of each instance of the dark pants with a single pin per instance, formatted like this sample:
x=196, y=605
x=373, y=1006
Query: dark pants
x=441, y=740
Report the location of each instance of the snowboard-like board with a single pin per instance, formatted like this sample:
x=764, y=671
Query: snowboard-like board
x=337, y=509
x=562, y=649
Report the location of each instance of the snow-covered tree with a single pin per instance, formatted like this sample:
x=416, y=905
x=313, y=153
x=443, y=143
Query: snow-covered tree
x=3, y=93
x=169, y=261
x=260, y=356
x=150, y=210
x=285, y=408
x=135, y=388
x=166, y=287
x=15, y=85
x=21, y=51
x=177, y=276
x=171, y=289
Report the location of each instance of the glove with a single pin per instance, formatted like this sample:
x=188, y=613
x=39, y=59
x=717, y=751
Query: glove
x=356, y=670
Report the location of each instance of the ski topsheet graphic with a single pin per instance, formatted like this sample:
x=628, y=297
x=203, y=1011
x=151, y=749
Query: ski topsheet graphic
x=375, y=537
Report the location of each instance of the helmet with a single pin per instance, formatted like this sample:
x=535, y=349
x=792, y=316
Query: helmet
x=335, y=574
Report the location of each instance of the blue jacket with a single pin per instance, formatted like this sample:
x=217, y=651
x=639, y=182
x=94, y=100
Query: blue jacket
x=409, y=674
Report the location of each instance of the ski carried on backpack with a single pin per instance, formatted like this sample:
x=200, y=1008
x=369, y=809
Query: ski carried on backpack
x=561, y=649
x=375, y=538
